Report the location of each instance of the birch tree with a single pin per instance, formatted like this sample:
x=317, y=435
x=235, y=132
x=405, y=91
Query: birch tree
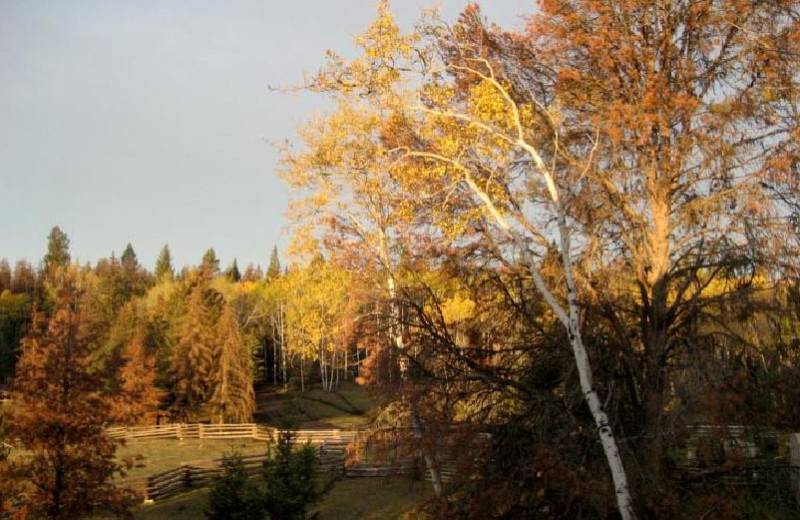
x=643, y=140
x=347, y=170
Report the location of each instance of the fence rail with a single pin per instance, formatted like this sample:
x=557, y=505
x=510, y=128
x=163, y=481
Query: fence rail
x=194, y=431
x=171, y=482
x=333, y=447
x=223, y=431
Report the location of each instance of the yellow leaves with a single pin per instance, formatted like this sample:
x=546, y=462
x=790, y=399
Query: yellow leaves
x=488, y=104
x=458, y=308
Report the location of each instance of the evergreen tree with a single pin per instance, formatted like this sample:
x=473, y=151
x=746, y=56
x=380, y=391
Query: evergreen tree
x=193, y=357
x=233, y=272
x=138, y=398
x=210, y=265
x=135, y=278
x=24, y=280
x=234, y=496
x=112, y=291
x=14, y=319
x=290, y=479
x=128, y=259
x=274, y=269
x=5, y=275
x=164, y=270
x=57, y=251
x=232, y=398
x=59, y=415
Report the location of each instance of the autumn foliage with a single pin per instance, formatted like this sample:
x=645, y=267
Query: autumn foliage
x=59, y=415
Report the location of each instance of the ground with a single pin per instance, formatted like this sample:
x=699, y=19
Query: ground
x=347, y=407
x=349, y=499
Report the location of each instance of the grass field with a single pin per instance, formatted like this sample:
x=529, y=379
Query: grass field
x=350, y=499
x=346, y=407
x=164, y=454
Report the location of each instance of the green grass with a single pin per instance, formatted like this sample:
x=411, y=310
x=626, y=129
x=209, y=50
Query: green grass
x=345, y=407
x=164, y=454
x=349, y=499
x=371, y=499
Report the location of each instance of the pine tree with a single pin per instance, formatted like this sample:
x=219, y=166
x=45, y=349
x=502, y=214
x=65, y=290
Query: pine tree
x=57, y=252
x=136, y=278
x=274, y=269
x=128, y=259
x=210, y=265
x=59, y=415
x=193, y=357
x=234, y=496
x=233, y=272
x=290, y=480
x=164, y=270
x=232, y=398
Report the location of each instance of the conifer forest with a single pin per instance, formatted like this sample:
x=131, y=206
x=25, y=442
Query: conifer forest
x=559, y=261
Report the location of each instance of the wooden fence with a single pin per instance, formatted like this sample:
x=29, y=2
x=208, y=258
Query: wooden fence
x=331, y=445
x=194, y=431
x=165, y=484
x=223, y=431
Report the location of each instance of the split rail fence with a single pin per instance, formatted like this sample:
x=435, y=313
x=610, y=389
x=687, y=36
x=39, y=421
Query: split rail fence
x=332, y=445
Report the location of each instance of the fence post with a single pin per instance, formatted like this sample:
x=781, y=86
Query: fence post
x=187, y=476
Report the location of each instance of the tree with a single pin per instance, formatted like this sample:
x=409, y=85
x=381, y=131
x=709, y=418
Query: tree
x=164, y=270
x=210, y=265
x=316, y=297
x=252, y=273
x=5, y=275
x=59, y=414
x=624, y=138
x=290, y=483
x=233, y=273
x=192, y=363
x=353, y=194
x=14, y=319
x=274, y=268
x=232, y=398
x=57, y=251
x=234, y=495
x=137, y=400
x=128, y=259
x=136, y=278
x=24, y=280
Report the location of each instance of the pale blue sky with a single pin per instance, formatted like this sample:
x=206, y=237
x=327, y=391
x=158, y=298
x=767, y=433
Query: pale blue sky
x=150, y=121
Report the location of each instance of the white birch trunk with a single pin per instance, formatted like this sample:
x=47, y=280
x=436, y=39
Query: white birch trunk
x=283, y=346
x=397, y=333
x=571, y=321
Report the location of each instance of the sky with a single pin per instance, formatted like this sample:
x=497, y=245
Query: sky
x=153, y=122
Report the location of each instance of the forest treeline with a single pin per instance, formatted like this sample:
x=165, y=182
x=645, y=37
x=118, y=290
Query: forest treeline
x=189, y=344
x=85, y=347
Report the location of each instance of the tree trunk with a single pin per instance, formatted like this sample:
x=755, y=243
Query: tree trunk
x=570, y=319
x=283, y=345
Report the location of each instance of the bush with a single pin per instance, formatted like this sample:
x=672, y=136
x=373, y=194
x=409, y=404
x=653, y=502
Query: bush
x=290, y=480
x=234, y=496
